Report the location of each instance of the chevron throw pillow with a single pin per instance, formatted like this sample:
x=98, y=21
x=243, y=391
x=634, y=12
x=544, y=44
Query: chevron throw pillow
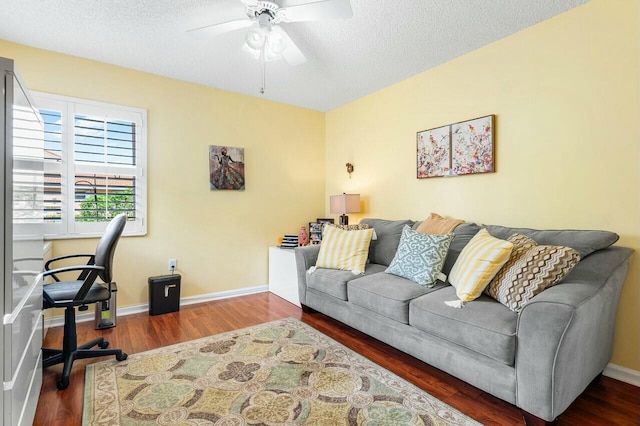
x=531, y=269
x=420, y=257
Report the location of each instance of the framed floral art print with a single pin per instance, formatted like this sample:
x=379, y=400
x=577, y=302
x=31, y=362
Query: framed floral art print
x=434, y=152
x=457, y=149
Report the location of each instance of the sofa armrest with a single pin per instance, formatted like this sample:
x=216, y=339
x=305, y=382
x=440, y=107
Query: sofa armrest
x=306, y=257
x=565, y=334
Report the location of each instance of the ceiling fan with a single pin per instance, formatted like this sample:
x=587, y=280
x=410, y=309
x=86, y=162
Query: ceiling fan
x=267, y=39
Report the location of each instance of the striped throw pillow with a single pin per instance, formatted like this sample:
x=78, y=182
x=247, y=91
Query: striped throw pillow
x=344, y=250
x=531, y=269
x=477, y=264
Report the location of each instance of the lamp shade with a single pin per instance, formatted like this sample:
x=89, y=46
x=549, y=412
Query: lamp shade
x=344, y=203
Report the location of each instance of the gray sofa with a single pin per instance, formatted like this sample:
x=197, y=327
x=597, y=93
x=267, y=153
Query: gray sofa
x=540, y=360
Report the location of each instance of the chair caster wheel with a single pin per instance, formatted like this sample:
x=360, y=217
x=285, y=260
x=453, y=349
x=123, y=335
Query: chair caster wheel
x=62, y=384
x=122, y=356
x=103, y=345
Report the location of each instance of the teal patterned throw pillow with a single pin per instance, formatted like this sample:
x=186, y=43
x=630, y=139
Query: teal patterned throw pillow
x=420, y=257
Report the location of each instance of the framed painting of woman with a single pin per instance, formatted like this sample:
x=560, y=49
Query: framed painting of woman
x=226, y=167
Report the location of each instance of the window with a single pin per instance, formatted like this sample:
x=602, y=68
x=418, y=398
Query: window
x=95, y=166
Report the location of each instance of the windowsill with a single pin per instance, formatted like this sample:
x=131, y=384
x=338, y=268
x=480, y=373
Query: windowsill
x=86, y=236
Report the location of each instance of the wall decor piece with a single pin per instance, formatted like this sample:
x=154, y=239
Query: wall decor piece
x=434, y=152
x=226, y=167
x=456, y=149
x=472, y=146
x=349, y=169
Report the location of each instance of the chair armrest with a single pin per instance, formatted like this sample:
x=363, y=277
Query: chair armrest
x=72, y=268
x=306, y=257
x=565, y=334
x=68, y=256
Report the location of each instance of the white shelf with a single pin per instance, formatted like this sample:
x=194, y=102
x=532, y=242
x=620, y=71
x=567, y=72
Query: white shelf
x=283, y=278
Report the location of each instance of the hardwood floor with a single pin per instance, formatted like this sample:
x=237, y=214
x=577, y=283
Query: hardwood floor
x=605, y=402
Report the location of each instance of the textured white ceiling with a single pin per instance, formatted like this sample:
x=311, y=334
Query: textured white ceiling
x=386, y=41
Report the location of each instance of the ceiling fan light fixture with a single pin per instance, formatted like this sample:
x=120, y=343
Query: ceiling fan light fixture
x=267, y=41
x=276, y=41
x=256, y=38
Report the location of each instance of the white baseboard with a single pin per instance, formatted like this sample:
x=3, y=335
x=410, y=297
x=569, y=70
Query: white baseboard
x=144, y=307
x=623, y=374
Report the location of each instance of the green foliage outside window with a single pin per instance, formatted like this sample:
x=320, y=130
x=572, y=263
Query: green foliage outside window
x=103, y=207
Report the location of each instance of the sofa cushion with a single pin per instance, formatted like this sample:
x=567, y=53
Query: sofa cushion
x=344, y=250
x=382, y=250
x=334, y=282
x=531, y=269
x=420, y=256
x=462, y=234
x=438, y=225
x=385, y=294
x=477, y=264
x=484, y=326
x=584, y=242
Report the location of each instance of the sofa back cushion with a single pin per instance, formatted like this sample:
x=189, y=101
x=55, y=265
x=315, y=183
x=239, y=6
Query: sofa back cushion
x=584, y=242
x=462, y=234
x=388, y=232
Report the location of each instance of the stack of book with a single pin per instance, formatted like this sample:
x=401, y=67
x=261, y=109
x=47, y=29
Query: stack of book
x=289, y=241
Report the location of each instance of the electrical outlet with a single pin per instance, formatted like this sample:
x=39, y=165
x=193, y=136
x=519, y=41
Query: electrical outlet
x=172, y=264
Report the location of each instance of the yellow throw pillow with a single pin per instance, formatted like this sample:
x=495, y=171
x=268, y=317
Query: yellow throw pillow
x=344, y=250
x=477, y=264
x=438, y=225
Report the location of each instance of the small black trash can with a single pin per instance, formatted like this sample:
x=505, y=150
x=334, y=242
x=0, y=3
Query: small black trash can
x=105, y=311
x=164, y=294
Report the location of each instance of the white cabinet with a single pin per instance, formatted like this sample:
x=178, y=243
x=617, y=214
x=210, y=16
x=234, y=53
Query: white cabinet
x=283, y=278
x=21, y=229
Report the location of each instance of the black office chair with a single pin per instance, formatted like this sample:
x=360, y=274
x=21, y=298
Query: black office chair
x=82, y=291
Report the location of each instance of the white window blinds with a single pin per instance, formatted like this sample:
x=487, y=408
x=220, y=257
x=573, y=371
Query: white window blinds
x=95, y=160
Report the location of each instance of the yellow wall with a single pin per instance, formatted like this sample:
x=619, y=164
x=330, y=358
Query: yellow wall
x=220, y=238
x=565, y=94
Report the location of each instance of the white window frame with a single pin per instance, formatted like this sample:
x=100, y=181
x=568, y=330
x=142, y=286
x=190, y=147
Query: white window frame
x=68, y=167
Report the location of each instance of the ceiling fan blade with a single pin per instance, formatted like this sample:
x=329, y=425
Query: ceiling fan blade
x=292, y=53
x=249, y=2
x=317, y=11
x=221, y=28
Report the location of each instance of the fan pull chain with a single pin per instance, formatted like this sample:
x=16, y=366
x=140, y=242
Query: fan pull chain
x=264, y=69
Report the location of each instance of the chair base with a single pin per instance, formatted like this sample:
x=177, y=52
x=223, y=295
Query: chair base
x=71, y=350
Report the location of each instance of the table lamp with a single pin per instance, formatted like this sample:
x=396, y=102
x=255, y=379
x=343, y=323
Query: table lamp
x=343, y=204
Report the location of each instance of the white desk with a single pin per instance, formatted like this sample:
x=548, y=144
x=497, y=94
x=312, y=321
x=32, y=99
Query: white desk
x=283, y=278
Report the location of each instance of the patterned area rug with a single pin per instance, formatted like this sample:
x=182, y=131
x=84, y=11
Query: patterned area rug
x=279, y=373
